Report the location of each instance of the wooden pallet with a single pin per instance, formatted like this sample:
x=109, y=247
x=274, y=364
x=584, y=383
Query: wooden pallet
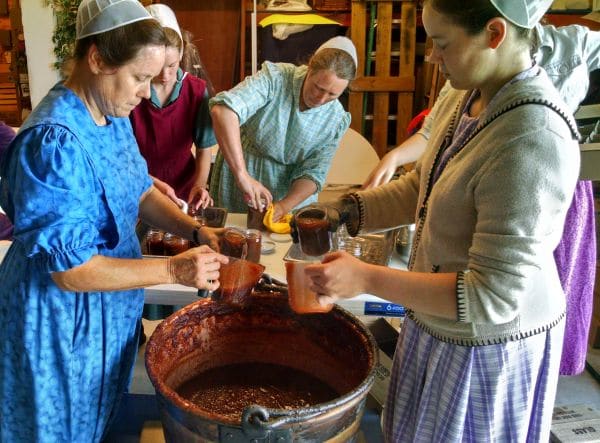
x=392, y=79
x=10, y=111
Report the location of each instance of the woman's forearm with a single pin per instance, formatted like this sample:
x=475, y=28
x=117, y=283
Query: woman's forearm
x=159, y=211
x=203, y=162
x=226, y=125
x=299, y=191
x=410, y=150
x=102, y=273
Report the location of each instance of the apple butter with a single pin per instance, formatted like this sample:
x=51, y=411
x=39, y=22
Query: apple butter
x=227, y=390
x=233, y=243
x=174, y=244
x=154, y=242
x=254, y=243
x=313, y=232
x=237, y=278
x=256, y=216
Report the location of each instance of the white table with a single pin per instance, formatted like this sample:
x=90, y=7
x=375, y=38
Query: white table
x=175, y=294
x=364, y=304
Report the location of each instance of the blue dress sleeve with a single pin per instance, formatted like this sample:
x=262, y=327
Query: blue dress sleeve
x=56, y=198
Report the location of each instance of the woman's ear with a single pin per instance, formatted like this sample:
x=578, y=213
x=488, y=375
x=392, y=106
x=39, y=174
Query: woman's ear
x=496, y=29
x=96, y=63
x=94, y=59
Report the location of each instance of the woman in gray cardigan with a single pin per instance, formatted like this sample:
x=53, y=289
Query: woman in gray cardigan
x=568, y=54
x=479, y=351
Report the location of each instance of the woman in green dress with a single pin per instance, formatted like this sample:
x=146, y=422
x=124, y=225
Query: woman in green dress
x=278, y=131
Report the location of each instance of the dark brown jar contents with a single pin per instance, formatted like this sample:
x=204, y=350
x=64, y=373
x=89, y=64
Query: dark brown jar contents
x=233, y=243
x=256, y=216
x=254, y=243
x=313, y=233
x=227, y=390
x=174, y=245
x=154, y=242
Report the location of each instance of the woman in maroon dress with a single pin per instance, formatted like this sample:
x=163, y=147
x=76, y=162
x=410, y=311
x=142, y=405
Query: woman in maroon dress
x=175, y=119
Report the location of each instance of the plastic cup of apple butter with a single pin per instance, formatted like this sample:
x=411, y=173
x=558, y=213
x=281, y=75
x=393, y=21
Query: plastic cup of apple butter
x=301, y=299
x=237, y=279
x=314, y=235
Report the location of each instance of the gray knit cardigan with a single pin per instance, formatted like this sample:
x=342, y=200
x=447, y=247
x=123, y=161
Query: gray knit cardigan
x=494, y=216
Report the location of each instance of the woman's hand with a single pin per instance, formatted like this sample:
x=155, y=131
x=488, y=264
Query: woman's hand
x=211, y=237
x=199, y=197
x=166, y=189
x=383, y=172
x=340, y=275
x=197, y=267
x=409, y=151
x=253, y=190
x=278, y=211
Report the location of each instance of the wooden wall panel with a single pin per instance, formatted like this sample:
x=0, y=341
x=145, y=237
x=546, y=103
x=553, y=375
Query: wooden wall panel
x=216, y=27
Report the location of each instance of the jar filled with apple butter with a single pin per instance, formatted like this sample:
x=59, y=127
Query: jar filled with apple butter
x=256, y=215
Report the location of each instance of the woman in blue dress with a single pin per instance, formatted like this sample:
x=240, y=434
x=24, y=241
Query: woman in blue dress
x=74, y=183
x=278, y=131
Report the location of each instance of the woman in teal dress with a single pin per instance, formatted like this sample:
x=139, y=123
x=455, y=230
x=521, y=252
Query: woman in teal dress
x=73, y=184
x=278, y=131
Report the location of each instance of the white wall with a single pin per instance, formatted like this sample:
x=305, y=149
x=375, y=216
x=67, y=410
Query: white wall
x=38, y=25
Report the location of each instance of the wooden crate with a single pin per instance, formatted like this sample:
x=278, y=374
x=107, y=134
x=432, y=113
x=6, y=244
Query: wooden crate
x=393, y=78
x=331, y=5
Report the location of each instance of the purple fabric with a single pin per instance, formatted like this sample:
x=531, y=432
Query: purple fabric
x=7, y=134
x=6, y=228
x=575, y=259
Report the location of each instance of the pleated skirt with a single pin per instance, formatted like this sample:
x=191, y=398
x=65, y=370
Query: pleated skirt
x=441, y=392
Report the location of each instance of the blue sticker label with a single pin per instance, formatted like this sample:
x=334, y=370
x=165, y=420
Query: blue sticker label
x=384, y=309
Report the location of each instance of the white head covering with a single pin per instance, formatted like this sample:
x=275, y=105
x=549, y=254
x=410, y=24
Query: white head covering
x=523, y=13
x=98, y=16
x=343, y=43
x=166, y=18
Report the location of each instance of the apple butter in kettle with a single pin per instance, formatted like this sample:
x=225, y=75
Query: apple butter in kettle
x=227, y=390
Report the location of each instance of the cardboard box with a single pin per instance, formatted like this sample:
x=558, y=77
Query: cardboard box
x=576, y=423
x=594, y=336
x=386, y=337
x=378, y=392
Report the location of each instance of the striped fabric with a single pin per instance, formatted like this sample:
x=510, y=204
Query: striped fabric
x=280, y=142
x=441, y=392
